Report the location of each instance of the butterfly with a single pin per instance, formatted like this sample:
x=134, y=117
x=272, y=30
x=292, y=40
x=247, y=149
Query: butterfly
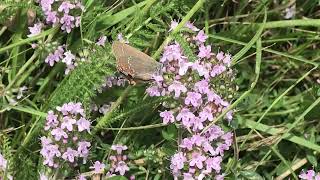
x=134, y=63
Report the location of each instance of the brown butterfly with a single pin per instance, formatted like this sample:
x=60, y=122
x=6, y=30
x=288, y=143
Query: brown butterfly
x=134, y=63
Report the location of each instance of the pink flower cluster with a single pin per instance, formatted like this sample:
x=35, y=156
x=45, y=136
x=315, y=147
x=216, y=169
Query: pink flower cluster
x=61, y=54
x=118, y=165
x=200, y=156
x=118, y=161
x=67, y=128
x=63, y=12
x=196, y=103
x=309, y=175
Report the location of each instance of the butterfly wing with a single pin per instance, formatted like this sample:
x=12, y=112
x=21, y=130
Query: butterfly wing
x=133, y=62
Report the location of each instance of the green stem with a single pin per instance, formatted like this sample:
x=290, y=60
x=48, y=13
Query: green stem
x=102, y=122
x=28, y=40
x=137, y=128
x=22, y=69
x=194, y=9
x=290, y=23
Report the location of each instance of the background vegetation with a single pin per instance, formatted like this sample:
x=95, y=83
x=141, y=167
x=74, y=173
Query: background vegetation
x=276, y=121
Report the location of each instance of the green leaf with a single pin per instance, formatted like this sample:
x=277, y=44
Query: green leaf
x=251, y=175
x=117, y=178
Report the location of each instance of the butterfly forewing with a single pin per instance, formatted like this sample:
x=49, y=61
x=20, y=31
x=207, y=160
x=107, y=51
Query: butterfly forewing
x=133, y=62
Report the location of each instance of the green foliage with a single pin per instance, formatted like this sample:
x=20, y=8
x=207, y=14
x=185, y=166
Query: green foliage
x=276, y=124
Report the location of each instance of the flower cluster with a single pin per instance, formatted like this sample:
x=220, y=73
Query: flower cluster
x=118, y=165
x=202, y=154
x=118, y=161
x=61, y=54
x=66, y=129
x=62, y=12
x=309, y=175
x=196, y=99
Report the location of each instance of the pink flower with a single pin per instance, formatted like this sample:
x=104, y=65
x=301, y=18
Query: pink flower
x=178, y=160
x=45, y=141
x=201, y=37
x=213, y=163
x=153, y=91
x=187, y=143
x=102, y=41
x=183, y=67
x=81, y=177
x=167, y=116
x=191, y=26
x=177, y=87
x=35, y=30
x=43, y=177
x=69, y=58
x=197, y=160
x=78, y=21
x=307, y=175
x=186, y=116
x=98, y=167
x=83, y=148
x=58, y=133
x=202, y=70
x=119, y=148
x=3, y=163
x=65, y=7
x=217, y=70
x=173, y=25
x=68, y=123
x=197, y=124
x=205, y=51
x=122, y=168
x=83, y=124
x=52, y=120
x=67, y=22
x=46, y=5
x=220, y=56
x=70, y=154
x=227, y=60
x=171, y=52
x=206, y=114
x=202, y=86
x=193, y=98
x=52, y=17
